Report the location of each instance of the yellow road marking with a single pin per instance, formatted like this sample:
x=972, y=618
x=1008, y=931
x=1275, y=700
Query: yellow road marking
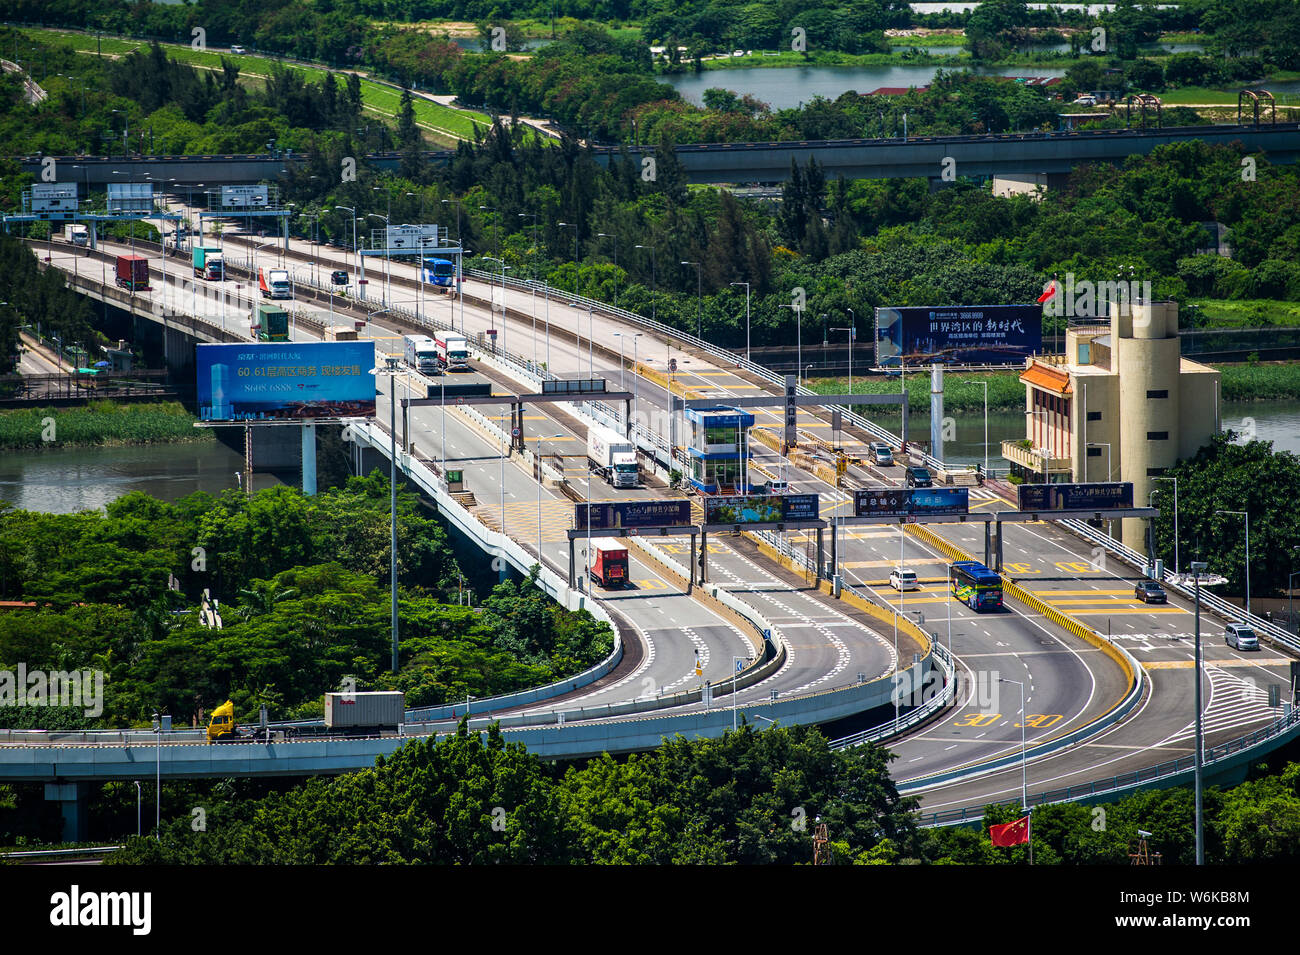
x=1188, y=664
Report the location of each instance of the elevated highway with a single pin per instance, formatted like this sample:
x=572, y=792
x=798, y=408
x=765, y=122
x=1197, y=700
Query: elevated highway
x=1071, y=685
x=922, y=157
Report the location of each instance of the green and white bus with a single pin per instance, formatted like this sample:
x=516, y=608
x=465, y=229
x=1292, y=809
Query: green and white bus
x=976, y=586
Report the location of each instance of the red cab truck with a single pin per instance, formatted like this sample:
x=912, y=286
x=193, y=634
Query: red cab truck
x=133, y=272
x=608, y=563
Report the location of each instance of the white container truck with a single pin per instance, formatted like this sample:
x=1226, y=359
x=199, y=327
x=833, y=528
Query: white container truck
x=613, y=456
x=78, y=234
x=453, y=351
x=421, y=354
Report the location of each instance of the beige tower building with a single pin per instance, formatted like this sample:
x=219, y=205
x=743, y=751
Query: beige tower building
x=1121, y=404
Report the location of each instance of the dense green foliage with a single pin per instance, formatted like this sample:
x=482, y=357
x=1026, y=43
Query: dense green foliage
x=30, y=295
x=302, y=586
x=99, y=423
x=1225, y=475
x=746, y=798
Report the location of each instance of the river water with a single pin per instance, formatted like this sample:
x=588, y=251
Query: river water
x=62, y=481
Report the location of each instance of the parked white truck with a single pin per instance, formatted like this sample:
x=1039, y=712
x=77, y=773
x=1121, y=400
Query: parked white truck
x=453, y=351
x=613, y=456
x=421, y=354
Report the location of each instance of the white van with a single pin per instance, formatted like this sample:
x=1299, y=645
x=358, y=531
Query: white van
x=1240, y=636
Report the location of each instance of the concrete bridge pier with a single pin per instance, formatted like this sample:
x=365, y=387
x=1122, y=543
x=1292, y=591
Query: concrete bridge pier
x=71, y=798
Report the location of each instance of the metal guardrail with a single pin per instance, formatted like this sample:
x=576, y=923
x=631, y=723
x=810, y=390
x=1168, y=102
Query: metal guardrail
x=35, y=855
x=1172, y=581
x=1160, y=773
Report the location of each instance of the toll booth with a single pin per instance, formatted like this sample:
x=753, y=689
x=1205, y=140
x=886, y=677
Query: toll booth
x=718, y=449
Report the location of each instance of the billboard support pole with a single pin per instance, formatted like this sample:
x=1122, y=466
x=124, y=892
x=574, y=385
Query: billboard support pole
x=308, y=459
x=820, y=541
x=704, y=555
x=997, y=556
x=573, y=561
x=690, y=583
x=248, y=460
x=987, y=545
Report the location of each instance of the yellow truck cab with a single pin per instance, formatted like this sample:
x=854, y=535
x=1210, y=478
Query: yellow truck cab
x=222, y=723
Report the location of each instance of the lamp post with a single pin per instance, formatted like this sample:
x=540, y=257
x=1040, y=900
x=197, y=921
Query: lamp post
x=1101, y=444
x=137, y=807
x=388, y=271
x=547, y=292
x=798, y=324
x=1247, y=517
x=607, y=235
x=654, y=306
x=985, y=386
x=735, y=672
x=699, y=298
x=852, y=334
x=1290, y=597
x=459, y=281
x=157, y=801
x=1175, y=480
x=1197, y=567
x=390, y=369
x=574, y=227
x=549, y=437
x=746, y=284
x=352, y=212
x=1024, y=772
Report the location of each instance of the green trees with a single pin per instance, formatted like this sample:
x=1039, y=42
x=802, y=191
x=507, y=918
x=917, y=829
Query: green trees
x=472, y=798
x=1247, y=477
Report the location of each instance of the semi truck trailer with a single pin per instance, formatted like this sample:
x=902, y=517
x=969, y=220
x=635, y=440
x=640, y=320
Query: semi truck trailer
x=608, y=563
x=422, y=354
x=270, y=323
x=273, y=283
x=613, y=456
x=133, y=273
x=209, y=263
x=453, y=351
x=360, y=714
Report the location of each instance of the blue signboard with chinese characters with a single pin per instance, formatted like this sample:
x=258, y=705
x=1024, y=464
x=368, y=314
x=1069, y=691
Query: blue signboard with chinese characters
x=610, y=514
x=285, y=380
x=1075, y=497
x=910, y=502
x=964, y=334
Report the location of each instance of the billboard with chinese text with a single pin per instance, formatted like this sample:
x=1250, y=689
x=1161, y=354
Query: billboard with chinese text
x=910, y=502
x=964, y=334
x=1075, y=497
x=285, y=380
x=608, y=514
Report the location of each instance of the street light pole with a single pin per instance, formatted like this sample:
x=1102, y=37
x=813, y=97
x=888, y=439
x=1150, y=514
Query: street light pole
x=699, y=298
x=1197, y=567
x=1247, y=517
x=1175, y=480
x=606, y=235
x=746, y=284
x=574, y=227
x=985, y=385
x=654, y=305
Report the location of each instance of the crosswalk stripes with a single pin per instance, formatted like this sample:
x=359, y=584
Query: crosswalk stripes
x=1235, y=702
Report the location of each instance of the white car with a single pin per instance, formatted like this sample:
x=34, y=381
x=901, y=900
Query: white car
x=237, y=50
x=904, y=580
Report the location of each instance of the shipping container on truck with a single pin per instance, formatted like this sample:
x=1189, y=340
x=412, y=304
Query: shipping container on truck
x=209, y=263
x=273, y=283
x=364, y=713
x=133, y=273
x=270, y=323
x=608, y=563
x=453, y=351
x=421, y=354
x=340, y=333
x=614, y=456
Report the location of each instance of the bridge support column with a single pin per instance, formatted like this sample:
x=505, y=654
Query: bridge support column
x=308, y=459
x=572, y=562
x=820, y=568
x=71, y=798
x=987, y=545
x=704, y=555
x=997, y=552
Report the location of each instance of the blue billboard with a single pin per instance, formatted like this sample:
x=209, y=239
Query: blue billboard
x=961, y=335
x=761, y=508
x=1075, y=497
x=910, y=502
x=285, y=380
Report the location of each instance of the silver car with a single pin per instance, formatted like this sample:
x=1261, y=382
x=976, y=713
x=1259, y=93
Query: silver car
x=1240, y=636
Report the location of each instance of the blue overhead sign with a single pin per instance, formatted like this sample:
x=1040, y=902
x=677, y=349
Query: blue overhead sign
x=1075, y=497
x=285, y=380
x=965, y=334
x=910, y=502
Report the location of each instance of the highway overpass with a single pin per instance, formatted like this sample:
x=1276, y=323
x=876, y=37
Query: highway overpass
x=1006, y=154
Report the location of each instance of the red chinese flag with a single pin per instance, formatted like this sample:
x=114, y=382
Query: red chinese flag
x=1047, y=293
x=1012, y=834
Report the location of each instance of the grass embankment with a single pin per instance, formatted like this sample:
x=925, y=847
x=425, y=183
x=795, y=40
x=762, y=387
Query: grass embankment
x=101, y=423
x=444, y=122
x=1245, y=313
x=1244, y=381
